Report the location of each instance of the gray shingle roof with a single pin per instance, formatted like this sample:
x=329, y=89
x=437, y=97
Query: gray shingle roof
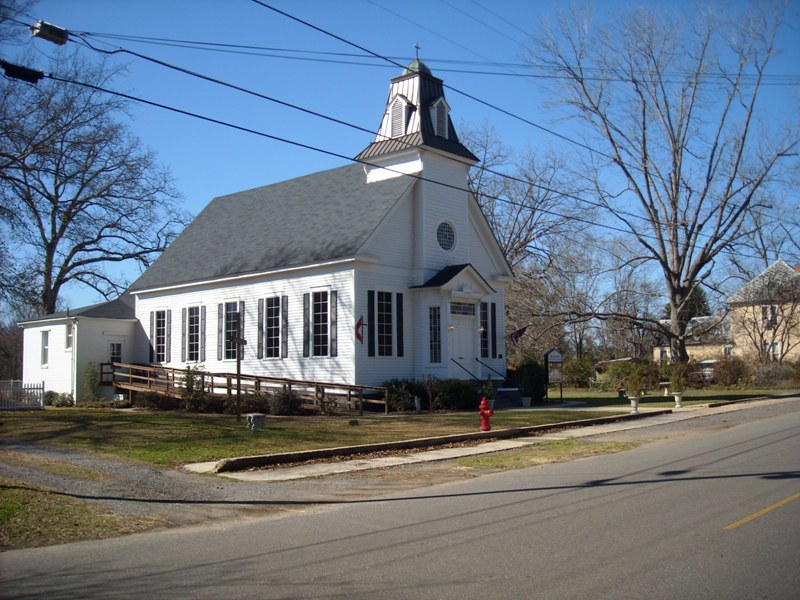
x=771, y=286
x=121, y=308
x=323, y=216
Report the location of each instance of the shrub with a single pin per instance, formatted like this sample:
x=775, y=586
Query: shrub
x=91, y=385
x=193, y=394
x=156, y=401
x=635, y=376
x=772, y=375
x=57, y=400
x=579, y=373
x=257, y=402
x=456, y=394
x=532, y=380
x=284, y=403
x=731, y=371
x=401, y=394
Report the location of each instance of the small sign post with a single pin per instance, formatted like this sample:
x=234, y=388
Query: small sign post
x=553, y=363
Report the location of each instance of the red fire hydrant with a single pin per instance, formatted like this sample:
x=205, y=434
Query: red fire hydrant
x=486, y=413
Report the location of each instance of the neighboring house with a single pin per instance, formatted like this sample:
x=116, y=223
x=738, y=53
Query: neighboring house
x=765, y=315
x=372, y=271
x=58, y=348
x=707, y=338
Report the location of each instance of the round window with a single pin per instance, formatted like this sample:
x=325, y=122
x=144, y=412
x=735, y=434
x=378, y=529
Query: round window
x=446, y=236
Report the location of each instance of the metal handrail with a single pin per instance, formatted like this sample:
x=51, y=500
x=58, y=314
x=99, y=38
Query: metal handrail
x=470, y=373
x=490, y=368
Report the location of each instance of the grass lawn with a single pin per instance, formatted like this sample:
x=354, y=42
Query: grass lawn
x=31, y=516
x=170, y=439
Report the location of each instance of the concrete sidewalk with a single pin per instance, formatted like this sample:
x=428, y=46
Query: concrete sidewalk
x=319, y=469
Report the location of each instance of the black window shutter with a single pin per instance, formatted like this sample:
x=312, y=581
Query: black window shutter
x=152, y=336
x=493, y=327
x=240, y=345
x=284, y=326
x=220, y=330
x=203, y=333
x=334, y=324
x=370, y=322
x=306, y=325
x=399, y=309
x=260, y=352
x=183, y=335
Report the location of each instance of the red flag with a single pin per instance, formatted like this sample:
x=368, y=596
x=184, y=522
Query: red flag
x=515, y=336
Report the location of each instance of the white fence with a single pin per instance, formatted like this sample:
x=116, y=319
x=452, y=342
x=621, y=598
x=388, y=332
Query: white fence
x=16, y=395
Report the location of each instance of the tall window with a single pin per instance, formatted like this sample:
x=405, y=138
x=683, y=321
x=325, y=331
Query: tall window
x=193, y=334
x=384, y=324
x=231, y=329
x=484, y=330
x=160, y=337
x=272, y=345
x=769, y=317
x=435, y=328
x=69, y=336
x=45, y=347
x=320, y=323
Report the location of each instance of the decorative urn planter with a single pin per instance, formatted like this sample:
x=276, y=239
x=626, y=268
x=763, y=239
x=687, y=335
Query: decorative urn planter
x=678, y=399
x=634, y=404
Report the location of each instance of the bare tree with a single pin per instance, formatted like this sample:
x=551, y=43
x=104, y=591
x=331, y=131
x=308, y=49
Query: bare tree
x=676, y=108
x=78, y=192
x=530, y=203
x=11, y=11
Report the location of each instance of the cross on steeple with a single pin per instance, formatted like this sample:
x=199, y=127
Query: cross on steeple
x=417, y=47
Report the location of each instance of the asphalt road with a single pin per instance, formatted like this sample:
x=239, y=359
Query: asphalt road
x=715, y=515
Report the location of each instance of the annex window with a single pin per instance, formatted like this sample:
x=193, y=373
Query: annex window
x=160, y=326
x=69, y=335
x=45, y=348
x=435, y=329
x=115, y=352
x=193, y=330
x=320, y=324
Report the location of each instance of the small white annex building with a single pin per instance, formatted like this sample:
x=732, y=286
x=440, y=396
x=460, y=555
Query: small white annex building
x=382, y=269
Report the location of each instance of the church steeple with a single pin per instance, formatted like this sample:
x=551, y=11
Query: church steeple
x=417, y=116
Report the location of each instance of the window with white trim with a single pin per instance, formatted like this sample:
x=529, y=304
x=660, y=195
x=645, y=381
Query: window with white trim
x=69, y=335
x=193, y=334
x=160, y=339
x=115, y=352
x=231, y=329
x=45, y=348
x=272, y=327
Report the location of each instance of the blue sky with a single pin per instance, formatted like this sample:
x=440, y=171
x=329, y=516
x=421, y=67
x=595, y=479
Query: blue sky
x=208, y=160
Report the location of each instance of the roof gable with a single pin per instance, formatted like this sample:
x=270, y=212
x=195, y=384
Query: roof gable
x=773, y=285
x=316, y=218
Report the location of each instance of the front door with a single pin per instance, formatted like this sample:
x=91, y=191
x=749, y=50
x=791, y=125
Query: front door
x=462, y=347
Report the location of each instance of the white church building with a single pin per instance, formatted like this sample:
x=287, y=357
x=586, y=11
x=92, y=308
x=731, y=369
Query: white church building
x=385, y=268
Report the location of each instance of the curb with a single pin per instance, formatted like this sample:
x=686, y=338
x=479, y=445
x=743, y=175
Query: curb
x=251, y=462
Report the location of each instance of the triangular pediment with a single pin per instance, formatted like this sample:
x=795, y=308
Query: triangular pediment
x=462, y=281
